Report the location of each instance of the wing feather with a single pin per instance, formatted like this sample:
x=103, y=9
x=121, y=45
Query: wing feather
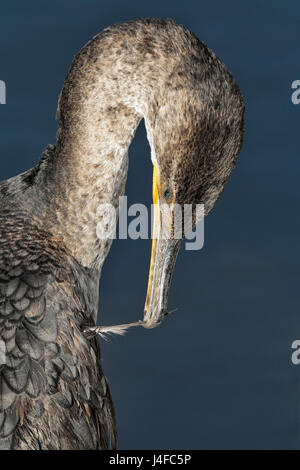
x=47, y=365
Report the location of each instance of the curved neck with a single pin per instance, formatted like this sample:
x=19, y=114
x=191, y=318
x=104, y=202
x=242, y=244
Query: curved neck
x=100, y=107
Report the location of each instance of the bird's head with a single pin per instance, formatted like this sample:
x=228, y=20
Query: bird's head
x=196, y=134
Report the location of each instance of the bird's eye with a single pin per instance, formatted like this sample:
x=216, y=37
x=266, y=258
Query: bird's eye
x=167, y=194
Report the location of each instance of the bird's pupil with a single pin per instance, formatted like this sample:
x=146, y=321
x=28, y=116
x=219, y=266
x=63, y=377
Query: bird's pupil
x=167, y=193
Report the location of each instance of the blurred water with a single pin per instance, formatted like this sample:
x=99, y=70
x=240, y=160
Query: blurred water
x=218, y=373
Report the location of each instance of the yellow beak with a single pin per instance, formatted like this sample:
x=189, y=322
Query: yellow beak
x=163, y=256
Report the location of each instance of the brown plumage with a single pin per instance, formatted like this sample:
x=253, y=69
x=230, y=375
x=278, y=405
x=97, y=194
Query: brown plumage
x=53, y=394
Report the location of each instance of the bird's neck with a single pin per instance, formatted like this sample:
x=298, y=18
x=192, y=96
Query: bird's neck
x=99, y=110
x=90, y=170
